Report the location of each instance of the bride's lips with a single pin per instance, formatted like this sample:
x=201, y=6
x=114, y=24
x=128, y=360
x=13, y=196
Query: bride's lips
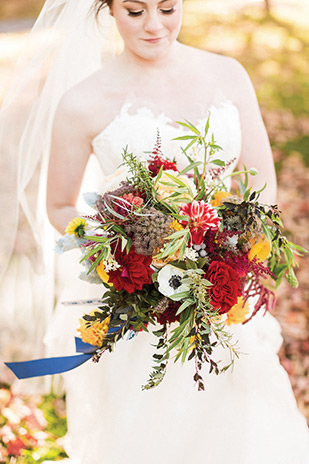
x=154, y=40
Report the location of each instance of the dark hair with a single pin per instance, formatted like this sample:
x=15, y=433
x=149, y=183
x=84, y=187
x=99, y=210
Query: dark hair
x=100, y=4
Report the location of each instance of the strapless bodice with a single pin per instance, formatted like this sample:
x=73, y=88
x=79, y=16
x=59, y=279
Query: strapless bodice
x=138, y=132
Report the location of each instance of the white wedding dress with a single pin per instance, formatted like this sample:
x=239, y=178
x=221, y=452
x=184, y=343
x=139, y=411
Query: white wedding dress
x=245, y=416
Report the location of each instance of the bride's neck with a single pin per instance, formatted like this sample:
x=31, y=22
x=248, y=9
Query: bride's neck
x=152, y=67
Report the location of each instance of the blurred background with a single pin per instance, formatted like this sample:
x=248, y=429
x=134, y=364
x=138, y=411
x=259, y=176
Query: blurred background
x=271, y=39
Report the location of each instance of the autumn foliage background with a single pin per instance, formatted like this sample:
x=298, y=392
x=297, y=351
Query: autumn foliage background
x=271, y=40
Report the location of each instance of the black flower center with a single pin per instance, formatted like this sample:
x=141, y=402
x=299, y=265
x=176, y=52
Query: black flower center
x=175, y=282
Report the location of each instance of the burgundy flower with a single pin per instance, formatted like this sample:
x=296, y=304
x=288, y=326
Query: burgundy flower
x=134, y=271
x=203, y=217
x=169, y=315
x=226, y=286
x=158, y=161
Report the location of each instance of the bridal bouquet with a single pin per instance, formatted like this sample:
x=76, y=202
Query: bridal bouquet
x=176, y=247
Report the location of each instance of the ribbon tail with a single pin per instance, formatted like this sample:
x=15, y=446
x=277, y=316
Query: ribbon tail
x=48, y=366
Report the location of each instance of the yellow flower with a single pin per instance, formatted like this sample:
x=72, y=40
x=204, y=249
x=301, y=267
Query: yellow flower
x=219, y=197
x=76, y=227
x=176, y=226
x=260, y=250
x=102, y=273
x=93, y=332
x=237, y=314
x=193, y=339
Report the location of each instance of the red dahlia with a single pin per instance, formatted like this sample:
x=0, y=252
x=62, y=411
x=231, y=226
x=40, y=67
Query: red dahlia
x=226, y=286
x=134, y=271
x=203, y=217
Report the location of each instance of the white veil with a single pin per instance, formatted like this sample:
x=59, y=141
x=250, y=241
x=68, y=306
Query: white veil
x=66, y=44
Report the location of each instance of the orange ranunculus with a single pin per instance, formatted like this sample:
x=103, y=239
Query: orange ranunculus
x=260, y=249
x=219, y=197
x=237, y=314
x=95, y=332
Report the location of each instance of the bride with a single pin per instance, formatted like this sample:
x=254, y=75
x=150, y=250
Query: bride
x=247, y=416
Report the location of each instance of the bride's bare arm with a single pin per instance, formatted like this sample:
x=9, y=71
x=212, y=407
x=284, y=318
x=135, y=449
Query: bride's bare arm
x=256, y=151
x=70, y=150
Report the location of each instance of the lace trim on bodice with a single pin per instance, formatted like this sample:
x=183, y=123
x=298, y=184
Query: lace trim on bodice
x=138, y=131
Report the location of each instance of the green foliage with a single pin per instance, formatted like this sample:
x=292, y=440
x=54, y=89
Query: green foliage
x=49, y=452
x=139, y=175
x=56, y=425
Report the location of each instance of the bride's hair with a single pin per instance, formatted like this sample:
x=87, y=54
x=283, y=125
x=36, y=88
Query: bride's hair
x=100, y=4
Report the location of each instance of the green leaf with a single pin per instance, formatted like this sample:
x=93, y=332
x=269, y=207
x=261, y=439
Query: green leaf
x=178, y=233
x=247, y=194
x=207, y=126
x=182, y=217
x=124, y=242
x=185, y=305
x=175, y=179
x=185, y=137
x=191, y=264
x=218, y=162
x=216, y=147
x=263, y=188
x=170, y=249
x=93, y=251
x=96, y=263
x=190, y=126
x=159, y=333
x=179, y=296
x=190, y=167
x=97, y=238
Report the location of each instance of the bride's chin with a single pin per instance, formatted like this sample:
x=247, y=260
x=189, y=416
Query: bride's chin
x=154, y=54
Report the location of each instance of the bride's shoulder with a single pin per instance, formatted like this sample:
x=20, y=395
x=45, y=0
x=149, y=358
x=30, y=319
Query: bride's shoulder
x=212, y=62
x=88, y=98
x=226, y=72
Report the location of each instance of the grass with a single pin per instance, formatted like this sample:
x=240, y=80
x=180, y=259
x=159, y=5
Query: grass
x=20, y=9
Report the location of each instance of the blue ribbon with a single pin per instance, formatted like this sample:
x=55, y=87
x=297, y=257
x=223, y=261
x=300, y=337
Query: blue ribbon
x=50, y=366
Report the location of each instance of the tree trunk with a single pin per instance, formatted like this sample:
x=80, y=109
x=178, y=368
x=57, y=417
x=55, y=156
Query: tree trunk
x=267, y=5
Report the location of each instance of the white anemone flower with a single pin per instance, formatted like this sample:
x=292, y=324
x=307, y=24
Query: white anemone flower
x=170, y=280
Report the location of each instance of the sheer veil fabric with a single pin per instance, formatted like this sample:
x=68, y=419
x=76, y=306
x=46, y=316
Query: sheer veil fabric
x=66, y=44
